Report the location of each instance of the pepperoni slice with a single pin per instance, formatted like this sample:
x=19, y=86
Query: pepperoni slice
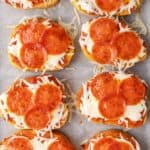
x=103, y=29
x=104, y=54
x=113, y=106
x=33, y=55
x=32, y=32
x=128, y=45
x=103, y=85
x=49, y=95
x=19, y=99
x=109, y=5
x=19, y=143
x=133, y=90
x=37, y=117
x=61, y=144
x=111, y=144
x=56, y=40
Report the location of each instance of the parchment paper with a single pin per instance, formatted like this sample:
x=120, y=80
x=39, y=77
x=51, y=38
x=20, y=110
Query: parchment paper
x=76, y=131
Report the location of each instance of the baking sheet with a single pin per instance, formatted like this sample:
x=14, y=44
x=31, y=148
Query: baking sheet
x=76, y=130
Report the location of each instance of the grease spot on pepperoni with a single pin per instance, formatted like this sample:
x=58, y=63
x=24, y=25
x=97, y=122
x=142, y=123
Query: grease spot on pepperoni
x=128, y=45
x=32, y=32
x=104, y=53
x=103, y=29
x=56, y=40
x=19, y=99
x=19, y=143
x=33, y=55
x=112, y=106
x=49, y=95
x=103, y=85
x=37, y=117
x=109, y=5
x=133, y=90
x=111, y=144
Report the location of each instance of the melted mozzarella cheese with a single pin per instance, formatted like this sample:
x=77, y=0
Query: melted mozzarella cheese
x=54, y=61
x=41, y=143
x=135, y=112
x=88, y=5
x=24, y=3
x=14, y=46
x=122, y=76
x=85, y=39
x=89, y=104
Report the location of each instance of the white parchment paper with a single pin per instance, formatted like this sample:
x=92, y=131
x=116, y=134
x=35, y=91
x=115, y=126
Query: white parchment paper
x=75, y=130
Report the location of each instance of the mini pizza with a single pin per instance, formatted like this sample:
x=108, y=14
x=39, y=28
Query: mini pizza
x=114, y=98
x=29, y=4
x=28, y=140
x=40, y=44
x=111, y=140
x=36, y=103
x=108, y=41
x=107, y=7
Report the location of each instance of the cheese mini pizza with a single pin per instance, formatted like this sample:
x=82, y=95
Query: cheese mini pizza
x=28, y=140
x=111, y=140
x=107, y=7
x=40, y=44
x=114, y=98
x=29, y=4
x=108, y=41
x=35, y=103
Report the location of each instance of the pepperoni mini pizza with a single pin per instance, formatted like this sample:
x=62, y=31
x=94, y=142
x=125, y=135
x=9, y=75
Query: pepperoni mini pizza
x=28, y=140
x=111, y=140
x=35, y=103
x=40, y=44
x=108, y=41
x=107, y=7
x=114, y=98
x=28, y=4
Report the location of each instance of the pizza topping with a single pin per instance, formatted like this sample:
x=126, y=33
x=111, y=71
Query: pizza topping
x=49, y=95
x=111, y=144
x=37, y=117
x=103, y=85
x=19, y=100
x=19, y=143
x=33, y=55
x=61, y=144
x=109, y=5
x=103, y=29
x=56, y=40
x=133, y=90
x=32, y=32
x=112, y=106
x=128, y=45
x=104, y=54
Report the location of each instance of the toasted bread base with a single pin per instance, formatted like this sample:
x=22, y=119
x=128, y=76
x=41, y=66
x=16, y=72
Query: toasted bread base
x=30, y=134
x=123, y=13
x=114, y=134
x=131, y=124
x=17, y=64
x=46, y=4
